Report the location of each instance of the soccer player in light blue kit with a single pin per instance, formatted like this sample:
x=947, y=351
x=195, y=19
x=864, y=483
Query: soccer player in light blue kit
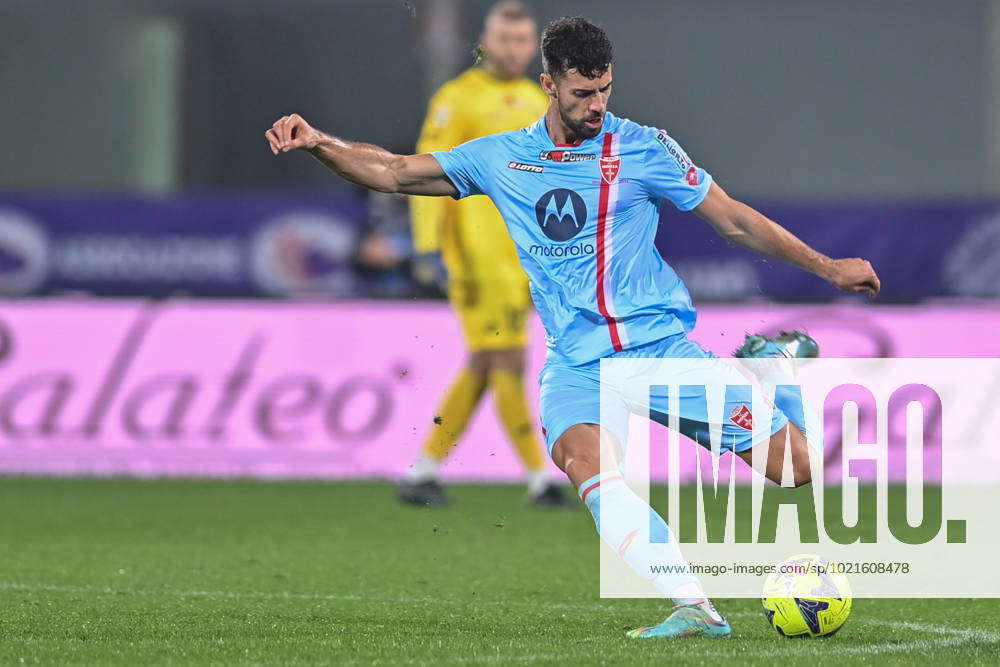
x=580, y=192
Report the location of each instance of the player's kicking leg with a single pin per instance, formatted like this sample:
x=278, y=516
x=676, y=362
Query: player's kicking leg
x=698, y=618
x=618, y=513
x=570, y=403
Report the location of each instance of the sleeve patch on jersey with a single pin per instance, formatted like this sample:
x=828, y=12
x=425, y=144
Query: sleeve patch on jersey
x=675, y=151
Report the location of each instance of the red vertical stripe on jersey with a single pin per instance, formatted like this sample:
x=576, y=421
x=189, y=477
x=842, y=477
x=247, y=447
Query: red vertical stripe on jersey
x=602, y=230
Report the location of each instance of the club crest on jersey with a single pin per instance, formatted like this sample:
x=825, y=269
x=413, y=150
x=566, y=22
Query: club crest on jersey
x=610, y=166
x=742, y=417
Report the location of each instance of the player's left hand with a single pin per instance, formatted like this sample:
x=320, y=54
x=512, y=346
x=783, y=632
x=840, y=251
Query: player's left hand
x=854, y=275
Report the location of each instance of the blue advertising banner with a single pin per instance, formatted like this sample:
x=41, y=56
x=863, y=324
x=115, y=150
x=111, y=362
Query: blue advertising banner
x=919, y=250
x=211, y=245
x=306, y=244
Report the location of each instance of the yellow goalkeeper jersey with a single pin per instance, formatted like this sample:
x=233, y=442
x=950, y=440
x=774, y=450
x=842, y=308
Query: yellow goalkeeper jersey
x=470, y=234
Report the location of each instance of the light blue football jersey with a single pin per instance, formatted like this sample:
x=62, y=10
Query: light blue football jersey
x=583, y=219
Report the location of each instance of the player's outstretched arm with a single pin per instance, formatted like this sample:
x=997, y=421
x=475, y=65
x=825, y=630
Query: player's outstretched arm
x=364, y=164
x=747, y=227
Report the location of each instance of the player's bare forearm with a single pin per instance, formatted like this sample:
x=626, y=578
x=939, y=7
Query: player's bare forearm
x=751, y=229
x=364, y=164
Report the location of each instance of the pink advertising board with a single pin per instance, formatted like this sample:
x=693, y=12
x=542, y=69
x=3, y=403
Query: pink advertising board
x=208, y=388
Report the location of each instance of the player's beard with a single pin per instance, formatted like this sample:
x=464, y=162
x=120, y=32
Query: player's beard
x=577, y=129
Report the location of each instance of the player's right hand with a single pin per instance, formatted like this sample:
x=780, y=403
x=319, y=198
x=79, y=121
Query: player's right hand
x=291, y=132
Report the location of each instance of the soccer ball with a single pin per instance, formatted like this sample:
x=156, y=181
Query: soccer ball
x=805, y=597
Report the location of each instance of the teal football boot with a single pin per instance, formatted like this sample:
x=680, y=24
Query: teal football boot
x=775, y=361
x=787, y=344
x=690, y=620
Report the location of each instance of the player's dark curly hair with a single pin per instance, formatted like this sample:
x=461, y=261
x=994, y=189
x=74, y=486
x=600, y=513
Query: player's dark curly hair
x=575, y=43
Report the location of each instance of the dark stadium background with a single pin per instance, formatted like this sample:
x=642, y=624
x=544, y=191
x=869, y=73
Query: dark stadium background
x=838, y=119
x=150, y=241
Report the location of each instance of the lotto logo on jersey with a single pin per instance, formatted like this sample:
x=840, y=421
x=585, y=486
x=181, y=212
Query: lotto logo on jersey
x=742, y=417
x=521, y=166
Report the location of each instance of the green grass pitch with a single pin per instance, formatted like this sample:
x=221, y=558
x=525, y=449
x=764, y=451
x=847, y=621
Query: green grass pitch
x=199, y=572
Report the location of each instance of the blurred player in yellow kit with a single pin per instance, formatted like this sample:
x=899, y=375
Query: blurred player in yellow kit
x=486, y=284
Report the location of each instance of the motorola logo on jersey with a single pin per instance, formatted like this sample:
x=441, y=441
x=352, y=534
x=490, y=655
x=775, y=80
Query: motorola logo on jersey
x=573, y=250
x=561, y=214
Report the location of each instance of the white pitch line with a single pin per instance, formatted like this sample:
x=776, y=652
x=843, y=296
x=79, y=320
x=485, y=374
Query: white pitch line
x=950, y=637
x=953, y=637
